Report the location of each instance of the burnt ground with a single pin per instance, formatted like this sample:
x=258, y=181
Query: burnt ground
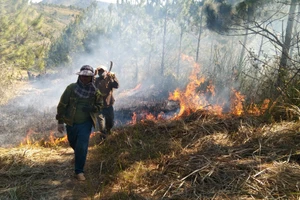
x=33, y=109
x=199, y=156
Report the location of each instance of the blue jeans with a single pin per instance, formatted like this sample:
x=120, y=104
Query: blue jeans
x=78, y=137
x=106, y=119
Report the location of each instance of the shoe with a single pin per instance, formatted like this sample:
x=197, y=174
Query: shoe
x=80, y=177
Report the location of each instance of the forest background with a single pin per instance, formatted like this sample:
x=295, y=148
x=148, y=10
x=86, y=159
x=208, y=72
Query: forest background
x=248, y=46
x=238, y=55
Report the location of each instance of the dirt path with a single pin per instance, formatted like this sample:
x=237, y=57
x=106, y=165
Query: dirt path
x=33, y=171
x=48, y=172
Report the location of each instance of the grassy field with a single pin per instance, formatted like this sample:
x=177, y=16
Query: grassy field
x=196, y=157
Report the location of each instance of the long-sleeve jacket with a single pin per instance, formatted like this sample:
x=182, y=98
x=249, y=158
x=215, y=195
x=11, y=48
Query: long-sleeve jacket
x=66, y=108
x=106, y=86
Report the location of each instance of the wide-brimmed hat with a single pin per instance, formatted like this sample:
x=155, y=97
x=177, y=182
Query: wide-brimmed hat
x=86, y=70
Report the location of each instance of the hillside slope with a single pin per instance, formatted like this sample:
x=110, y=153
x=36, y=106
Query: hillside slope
x=27, y=33
x=56, y=18
x=196, y=157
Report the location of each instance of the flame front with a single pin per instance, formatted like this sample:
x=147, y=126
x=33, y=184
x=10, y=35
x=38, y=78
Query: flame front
x=191, y=100
x=48, y=141
x=200, y=94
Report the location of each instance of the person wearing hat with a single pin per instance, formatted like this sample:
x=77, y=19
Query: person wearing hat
x=77, y=109
x=106, y=82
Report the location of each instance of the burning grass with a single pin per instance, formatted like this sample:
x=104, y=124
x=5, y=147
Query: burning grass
x=196, y=157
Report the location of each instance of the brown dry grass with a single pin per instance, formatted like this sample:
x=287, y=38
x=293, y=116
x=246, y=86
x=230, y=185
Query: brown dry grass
x=198, y=157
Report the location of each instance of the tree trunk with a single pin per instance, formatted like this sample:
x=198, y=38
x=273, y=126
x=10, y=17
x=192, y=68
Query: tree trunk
x=260, y=46
x=179, y=52
x=163, y=47
x=150, y=53
x=199, y=36
x=295, y=30
x=243, y=50
x=244, y=44
x=283, y=65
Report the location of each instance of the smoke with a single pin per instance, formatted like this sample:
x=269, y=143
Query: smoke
x=147, y=62
x=135, y=48
x=33, y=109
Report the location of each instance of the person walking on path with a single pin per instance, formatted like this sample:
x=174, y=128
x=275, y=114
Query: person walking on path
x=106, y=82
x=77, y=109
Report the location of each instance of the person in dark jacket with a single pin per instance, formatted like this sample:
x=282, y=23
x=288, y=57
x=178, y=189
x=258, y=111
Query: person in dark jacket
x=106, y=82
x=77, y=109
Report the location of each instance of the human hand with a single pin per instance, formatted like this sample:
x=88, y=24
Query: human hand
x=60, y=128
x=111, y=75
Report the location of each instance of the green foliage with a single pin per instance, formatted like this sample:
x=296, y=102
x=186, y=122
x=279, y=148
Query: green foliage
x=18, y=44
x=7, y=88
x=69, y=42
x=26, y=32
x=218, y=16
x=37, y=23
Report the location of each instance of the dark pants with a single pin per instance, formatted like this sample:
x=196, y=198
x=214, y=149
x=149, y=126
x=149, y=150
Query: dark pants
x=78, y=137
x=106, y=119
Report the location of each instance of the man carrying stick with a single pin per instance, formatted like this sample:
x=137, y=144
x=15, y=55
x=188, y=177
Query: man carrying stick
x=106, y=82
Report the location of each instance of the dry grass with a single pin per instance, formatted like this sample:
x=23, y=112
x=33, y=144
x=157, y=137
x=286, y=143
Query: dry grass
x=193, y=158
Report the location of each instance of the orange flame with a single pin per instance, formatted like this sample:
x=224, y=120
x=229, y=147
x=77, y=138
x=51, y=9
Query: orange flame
x=160, y=116
x=191, y=100
x=255, y=110
x=144, y=115
x=196, y=94
x=52, y=140
x=265, y=105
x=134, y=118
x=27, y=140
x=150, y=116
x=237, y=103
x=200, y=94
